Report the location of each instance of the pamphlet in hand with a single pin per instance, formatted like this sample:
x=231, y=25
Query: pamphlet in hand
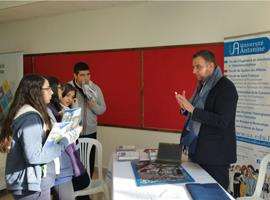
x=57, y=133
x=72, y=115
x=89, y=92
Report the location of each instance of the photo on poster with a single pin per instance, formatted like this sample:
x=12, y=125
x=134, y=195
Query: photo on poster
x=244, y=174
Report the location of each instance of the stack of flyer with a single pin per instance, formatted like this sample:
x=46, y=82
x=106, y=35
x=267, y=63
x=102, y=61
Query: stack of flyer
x=127, y=153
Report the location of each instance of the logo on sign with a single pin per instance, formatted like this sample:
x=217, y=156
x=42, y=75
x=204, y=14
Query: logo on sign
x=246, y=47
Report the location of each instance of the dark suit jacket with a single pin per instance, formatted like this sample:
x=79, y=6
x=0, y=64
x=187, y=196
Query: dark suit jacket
x=216, y=144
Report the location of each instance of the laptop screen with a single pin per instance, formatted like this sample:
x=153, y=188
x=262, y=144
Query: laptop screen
x=169, y=152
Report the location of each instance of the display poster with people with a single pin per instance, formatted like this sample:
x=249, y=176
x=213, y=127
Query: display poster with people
x=247, y=64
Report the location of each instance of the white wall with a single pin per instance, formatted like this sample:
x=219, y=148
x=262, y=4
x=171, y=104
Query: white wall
x=111, y=137
x=136, y=26
x=166, y=23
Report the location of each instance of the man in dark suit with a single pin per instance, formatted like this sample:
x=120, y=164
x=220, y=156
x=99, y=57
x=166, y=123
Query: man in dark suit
x=209, y=131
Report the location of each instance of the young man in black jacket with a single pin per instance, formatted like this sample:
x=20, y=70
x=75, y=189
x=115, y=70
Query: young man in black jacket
x=209, y=130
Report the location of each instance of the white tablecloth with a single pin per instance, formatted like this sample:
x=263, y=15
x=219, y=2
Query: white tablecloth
x=124, y=186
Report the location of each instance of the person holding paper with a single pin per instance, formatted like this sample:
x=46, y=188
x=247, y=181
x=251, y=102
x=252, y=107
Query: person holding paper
x=80, y=179
x=30, y=171
x=63, y=187
x=209, y=130
x=90, y=99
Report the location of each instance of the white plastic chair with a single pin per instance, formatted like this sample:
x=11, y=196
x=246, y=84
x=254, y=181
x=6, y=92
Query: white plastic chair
x=260, y=181
x=96, y=185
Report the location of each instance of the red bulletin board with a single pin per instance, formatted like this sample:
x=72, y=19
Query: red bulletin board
x=138, y=84
x=167, y=70
x=28, y=64
x=118, y=74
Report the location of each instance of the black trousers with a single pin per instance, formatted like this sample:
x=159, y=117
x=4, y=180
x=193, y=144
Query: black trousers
x=92, y=153
x=220, y=173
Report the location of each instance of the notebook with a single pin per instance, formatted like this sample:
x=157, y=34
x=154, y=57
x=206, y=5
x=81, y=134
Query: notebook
x=207, y=191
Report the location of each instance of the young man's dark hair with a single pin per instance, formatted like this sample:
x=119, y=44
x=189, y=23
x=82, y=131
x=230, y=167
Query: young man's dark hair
x=80, y=66
x=206, y=55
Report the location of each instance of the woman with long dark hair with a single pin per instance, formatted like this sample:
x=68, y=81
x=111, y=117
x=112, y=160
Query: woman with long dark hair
x=30, y=171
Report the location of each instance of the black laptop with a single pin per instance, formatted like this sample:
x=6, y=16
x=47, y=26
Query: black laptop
x=169, y=153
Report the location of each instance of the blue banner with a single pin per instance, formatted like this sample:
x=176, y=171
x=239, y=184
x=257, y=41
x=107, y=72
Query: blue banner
x=247, y=47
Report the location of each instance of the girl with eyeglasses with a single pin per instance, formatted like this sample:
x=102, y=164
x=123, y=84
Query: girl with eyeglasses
x=30, y=171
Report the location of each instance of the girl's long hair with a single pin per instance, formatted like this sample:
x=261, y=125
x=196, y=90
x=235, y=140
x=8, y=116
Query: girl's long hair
x=55, y=101
x=28, y=92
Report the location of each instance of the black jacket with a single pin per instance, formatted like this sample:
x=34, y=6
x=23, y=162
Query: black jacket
x=216, y=144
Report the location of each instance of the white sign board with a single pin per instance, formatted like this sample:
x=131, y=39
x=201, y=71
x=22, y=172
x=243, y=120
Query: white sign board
x=247, y=64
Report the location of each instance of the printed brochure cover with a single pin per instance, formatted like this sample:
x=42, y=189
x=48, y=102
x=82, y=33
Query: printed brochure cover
x=153, y=173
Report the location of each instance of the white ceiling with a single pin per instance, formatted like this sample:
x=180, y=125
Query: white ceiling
x=21, y=10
